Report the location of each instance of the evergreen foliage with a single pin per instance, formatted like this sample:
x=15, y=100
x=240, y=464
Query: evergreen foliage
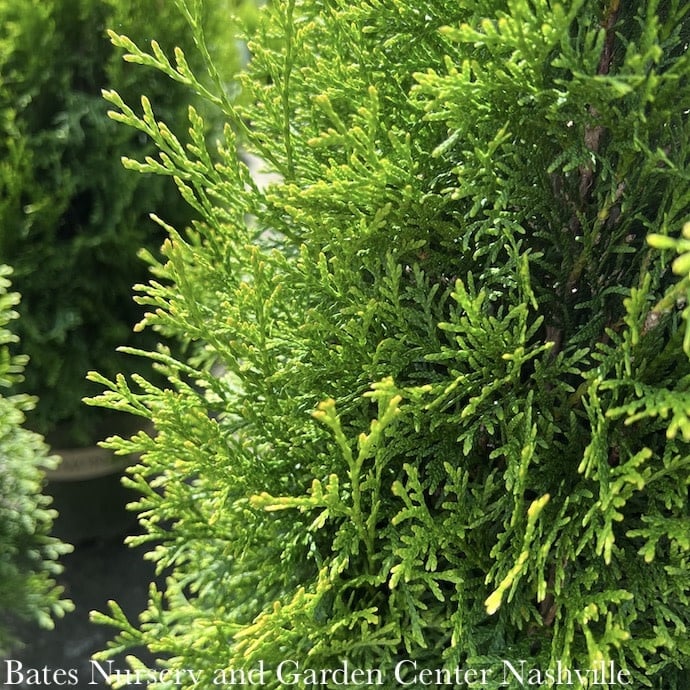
x=439, y=406
x=28, y=553
x=71, y=218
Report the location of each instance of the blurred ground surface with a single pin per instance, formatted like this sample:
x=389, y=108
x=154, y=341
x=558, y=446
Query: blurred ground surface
x=101, y=567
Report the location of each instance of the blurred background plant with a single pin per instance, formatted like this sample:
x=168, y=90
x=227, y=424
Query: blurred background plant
x=71, y=218
x=28, y=553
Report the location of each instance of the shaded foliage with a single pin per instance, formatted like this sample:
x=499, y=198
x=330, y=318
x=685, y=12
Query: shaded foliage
x=71, y=218
x=28, y=553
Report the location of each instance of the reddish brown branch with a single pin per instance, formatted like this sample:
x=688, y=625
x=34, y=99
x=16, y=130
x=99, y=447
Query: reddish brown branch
x=548, y=607
x=594, y=133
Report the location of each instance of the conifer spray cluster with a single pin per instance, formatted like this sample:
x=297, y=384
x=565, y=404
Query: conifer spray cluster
x=436, y=401
x=29, y=554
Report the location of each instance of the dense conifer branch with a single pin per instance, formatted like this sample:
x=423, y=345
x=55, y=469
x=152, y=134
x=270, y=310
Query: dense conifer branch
x=454, y=277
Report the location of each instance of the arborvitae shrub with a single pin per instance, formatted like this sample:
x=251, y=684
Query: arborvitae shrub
x=28, y=553
x=440, y=410
x=71, y=218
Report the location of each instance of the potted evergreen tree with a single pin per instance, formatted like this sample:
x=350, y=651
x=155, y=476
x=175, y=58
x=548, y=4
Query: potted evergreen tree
x=72, y=220
x=446, y=436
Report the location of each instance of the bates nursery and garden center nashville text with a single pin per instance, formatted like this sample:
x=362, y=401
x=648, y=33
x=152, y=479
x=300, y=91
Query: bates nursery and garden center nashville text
x=292, y=673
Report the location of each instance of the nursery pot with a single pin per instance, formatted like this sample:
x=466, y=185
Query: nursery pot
x=87, y=491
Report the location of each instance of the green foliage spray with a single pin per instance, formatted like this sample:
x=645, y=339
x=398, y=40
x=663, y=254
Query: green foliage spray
x=437, y=410
x=29, y=554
